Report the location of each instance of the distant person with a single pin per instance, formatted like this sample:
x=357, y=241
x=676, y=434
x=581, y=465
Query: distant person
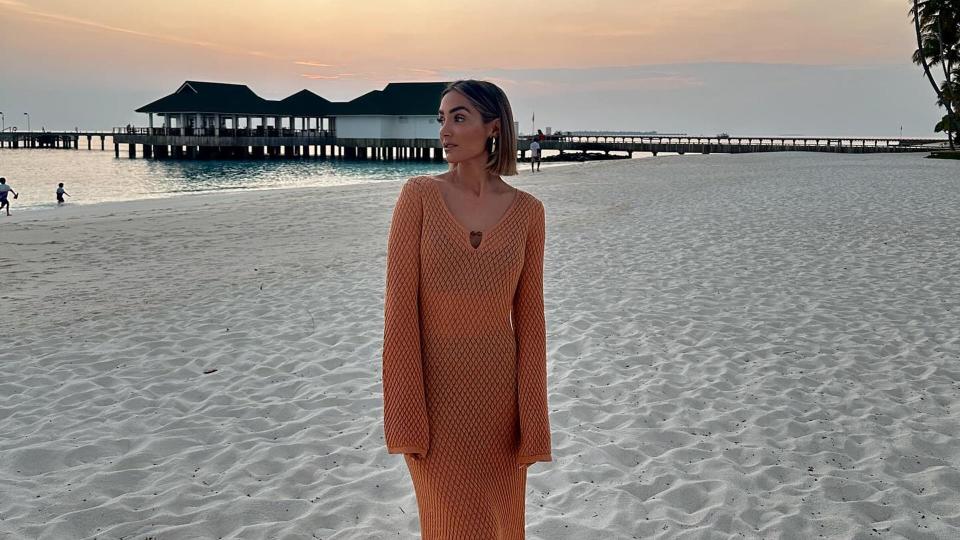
x=534, y=155
x=60, y=193
x=540, y=136
x=4, y=190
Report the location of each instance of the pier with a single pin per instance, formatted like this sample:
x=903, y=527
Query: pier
x=53, y=139
x=227, y=143
x=210, y=120
x=284, y=143
x=656, y=144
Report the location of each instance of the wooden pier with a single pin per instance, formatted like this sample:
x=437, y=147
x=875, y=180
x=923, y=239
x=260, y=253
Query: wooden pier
x=211, y=120
x=206, y=143
x=730, y=145
x=52, y=139
x=271, y=143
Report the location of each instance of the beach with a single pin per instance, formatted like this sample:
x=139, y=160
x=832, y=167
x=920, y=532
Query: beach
x=752, y=346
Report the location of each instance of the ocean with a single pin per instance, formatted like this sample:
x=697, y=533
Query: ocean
x=94, y=176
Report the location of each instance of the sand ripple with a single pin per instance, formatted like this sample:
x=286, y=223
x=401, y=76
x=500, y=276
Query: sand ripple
x=740, y=347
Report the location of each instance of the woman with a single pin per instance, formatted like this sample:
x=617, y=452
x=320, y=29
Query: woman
x=464, y=344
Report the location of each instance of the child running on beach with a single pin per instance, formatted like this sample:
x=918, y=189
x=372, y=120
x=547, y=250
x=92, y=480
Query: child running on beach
x=4, y=189
x=60, y=193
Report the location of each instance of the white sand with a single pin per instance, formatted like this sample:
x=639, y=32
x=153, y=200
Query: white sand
x=759, y=346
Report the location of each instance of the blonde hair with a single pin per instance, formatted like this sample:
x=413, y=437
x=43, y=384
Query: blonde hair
x=492, y=104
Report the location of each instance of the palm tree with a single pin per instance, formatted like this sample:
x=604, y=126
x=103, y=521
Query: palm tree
x=937, y=23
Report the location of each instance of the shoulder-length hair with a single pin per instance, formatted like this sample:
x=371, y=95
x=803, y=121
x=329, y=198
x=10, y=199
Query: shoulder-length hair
x=492, y=104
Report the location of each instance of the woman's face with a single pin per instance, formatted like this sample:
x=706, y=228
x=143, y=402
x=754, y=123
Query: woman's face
x=463, y=132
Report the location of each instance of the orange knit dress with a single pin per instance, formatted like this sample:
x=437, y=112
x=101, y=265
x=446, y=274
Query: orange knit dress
x=464, y=362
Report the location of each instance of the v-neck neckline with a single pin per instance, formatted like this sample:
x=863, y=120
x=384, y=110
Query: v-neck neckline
x=464, y=233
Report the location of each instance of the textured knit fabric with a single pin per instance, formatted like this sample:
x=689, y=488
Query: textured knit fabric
x=464, y=362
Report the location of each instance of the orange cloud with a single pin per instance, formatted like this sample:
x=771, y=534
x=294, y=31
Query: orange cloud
x=376, y=36
x=312, y=64
x=25, y=10
x=327, y=77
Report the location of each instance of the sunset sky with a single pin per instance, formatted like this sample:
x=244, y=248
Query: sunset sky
x=697, y=66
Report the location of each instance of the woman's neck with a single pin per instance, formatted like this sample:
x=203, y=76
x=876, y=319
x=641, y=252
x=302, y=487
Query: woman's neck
x=472, y=176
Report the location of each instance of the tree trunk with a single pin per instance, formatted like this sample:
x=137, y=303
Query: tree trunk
x=947, y=71
x=926, y=69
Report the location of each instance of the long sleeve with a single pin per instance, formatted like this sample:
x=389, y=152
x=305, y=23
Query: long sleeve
x=405, y=420
x=530, y=330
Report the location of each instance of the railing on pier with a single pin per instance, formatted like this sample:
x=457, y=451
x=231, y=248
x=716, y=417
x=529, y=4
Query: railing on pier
x=257, y=138
x=728, y=141
x=10, y=132
x=258, y=131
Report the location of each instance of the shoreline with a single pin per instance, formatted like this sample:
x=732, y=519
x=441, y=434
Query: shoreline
x=165, y=200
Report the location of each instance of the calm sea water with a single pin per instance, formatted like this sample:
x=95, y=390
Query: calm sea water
x=93, y=176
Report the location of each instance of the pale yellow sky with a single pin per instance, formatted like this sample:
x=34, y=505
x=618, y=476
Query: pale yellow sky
x=763, y=66
x=391, y=39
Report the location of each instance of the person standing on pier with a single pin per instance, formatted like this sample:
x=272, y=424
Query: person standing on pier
x=60, y=193
x=4, y=189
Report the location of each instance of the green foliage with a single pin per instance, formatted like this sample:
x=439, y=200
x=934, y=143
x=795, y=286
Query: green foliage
x=937, y=24
x=941, y=126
